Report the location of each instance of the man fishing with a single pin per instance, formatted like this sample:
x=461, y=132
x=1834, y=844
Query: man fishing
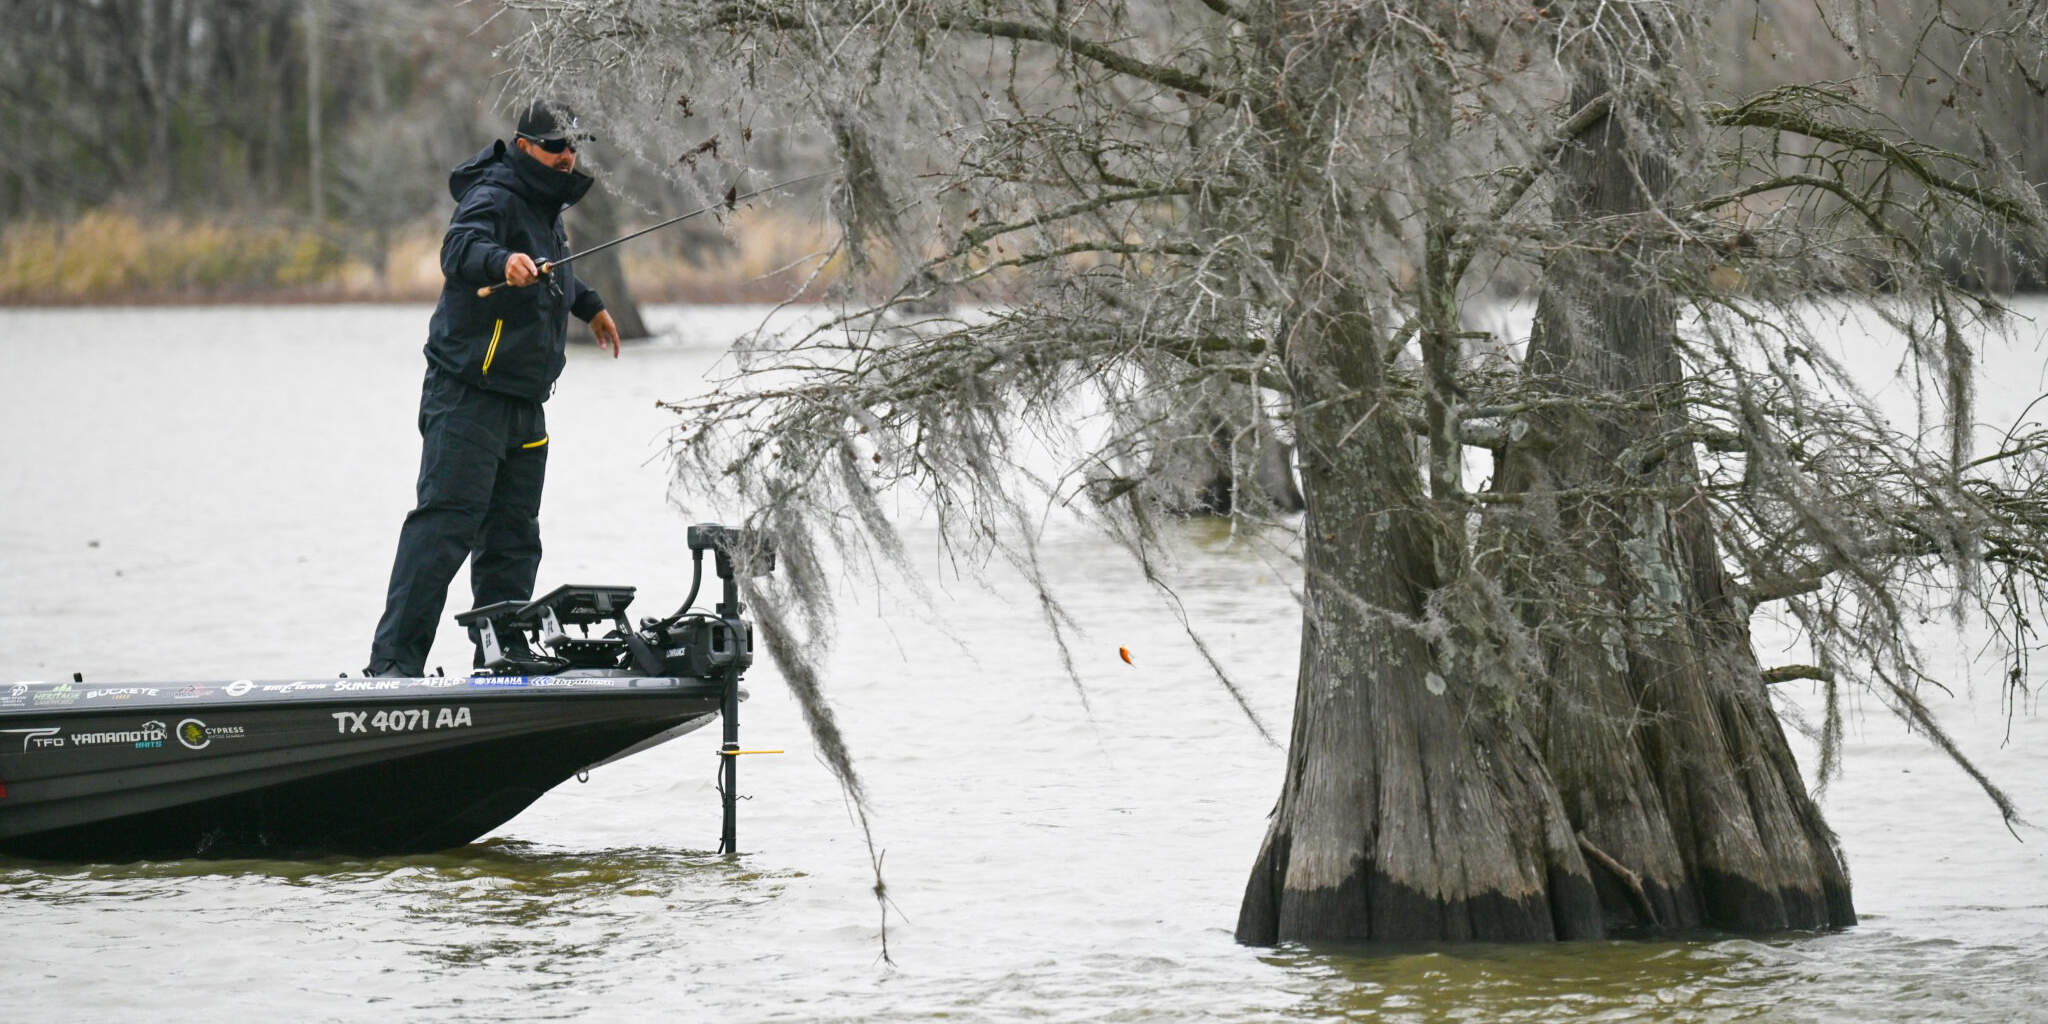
x=492, y=358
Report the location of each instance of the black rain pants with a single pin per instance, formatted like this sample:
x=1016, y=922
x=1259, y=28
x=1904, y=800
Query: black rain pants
x=483, y=458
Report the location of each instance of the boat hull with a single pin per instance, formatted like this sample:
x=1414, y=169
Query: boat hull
x=297, y=769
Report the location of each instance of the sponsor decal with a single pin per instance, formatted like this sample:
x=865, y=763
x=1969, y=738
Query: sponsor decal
x=499, y=681
x=20, y=689
x=290, y=687
x=121, y=693
x=150, y=734
x=36, y=739
x=401, y=720
x=62, y=693
x=579, y=682
x=381, y=684
x=195, y=690
x=240, y=687
x=197, y=735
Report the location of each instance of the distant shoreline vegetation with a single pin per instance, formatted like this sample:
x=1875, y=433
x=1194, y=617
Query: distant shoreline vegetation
x=112, y=256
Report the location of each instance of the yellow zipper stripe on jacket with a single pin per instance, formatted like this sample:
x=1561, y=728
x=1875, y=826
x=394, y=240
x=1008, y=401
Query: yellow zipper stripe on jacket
x=492, y=352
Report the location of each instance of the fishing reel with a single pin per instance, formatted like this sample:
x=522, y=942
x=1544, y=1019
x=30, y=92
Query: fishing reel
x=533, y=638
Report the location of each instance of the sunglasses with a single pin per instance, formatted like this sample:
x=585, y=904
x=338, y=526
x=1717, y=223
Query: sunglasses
x=550, y=145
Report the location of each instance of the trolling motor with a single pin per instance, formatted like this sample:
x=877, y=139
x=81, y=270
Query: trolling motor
x=702, y=644
x=532, y=637
x=520, y=638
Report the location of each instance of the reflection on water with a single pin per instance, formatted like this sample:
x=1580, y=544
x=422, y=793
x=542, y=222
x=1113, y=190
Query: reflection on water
x=1045, y=861
x=541, y=919
x=1856, y=975
x=1573, y=981
x=498, y=883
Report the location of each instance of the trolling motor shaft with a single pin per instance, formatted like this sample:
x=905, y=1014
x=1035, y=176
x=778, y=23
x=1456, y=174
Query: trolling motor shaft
x=722, y=541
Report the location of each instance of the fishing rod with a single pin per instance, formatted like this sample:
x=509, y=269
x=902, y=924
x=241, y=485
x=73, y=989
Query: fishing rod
x=730, y=200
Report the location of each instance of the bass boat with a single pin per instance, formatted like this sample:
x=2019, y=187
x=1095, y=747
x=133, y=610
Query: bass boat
x=298, y=768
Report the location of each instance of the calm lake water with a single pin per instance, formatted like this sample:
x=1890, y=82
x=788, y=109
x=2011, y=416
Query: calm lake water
x=216, y=493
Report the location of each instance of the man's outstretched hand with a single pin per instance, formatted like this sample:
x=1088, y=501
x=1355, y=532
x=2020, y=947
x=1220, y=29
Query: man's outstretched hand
x=606, y=332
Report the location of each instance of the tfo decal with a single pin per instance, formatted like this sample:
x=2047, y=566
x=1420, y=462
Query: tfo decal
x=37, y=739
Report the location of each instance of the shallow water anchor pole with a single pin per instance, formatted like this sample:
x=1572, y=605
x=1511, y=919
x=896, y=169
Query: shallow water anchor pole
x=729, y=610
x=730, y=648
x=729, y=766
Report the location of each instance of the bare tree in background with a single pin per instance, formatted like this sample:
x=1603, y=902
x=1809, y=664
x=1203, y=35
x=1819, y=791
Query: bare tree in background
x=1528, y=705
x=594, y=220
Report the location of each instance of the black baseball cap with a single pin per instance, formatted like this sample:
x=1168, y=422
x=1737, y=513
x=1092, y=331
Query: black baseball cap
x=547, y=120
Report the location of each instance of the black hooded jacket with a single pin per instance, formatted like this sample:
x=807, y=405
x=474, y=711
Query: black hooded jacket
x=513, y=340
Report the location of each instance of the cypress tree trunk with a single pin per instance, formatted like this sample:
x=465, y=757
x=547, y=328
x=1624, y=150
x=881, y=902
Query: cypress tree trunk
x=1413, y=808
x=1635, y=773
x=598, y=222
x=1655, y=722
x=1222, y=458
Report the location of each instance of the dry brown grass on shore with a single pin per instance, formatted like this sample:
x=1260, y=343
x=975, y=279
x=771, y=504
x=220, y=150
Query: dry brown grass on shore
x=107, y=254
x=114, y=257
